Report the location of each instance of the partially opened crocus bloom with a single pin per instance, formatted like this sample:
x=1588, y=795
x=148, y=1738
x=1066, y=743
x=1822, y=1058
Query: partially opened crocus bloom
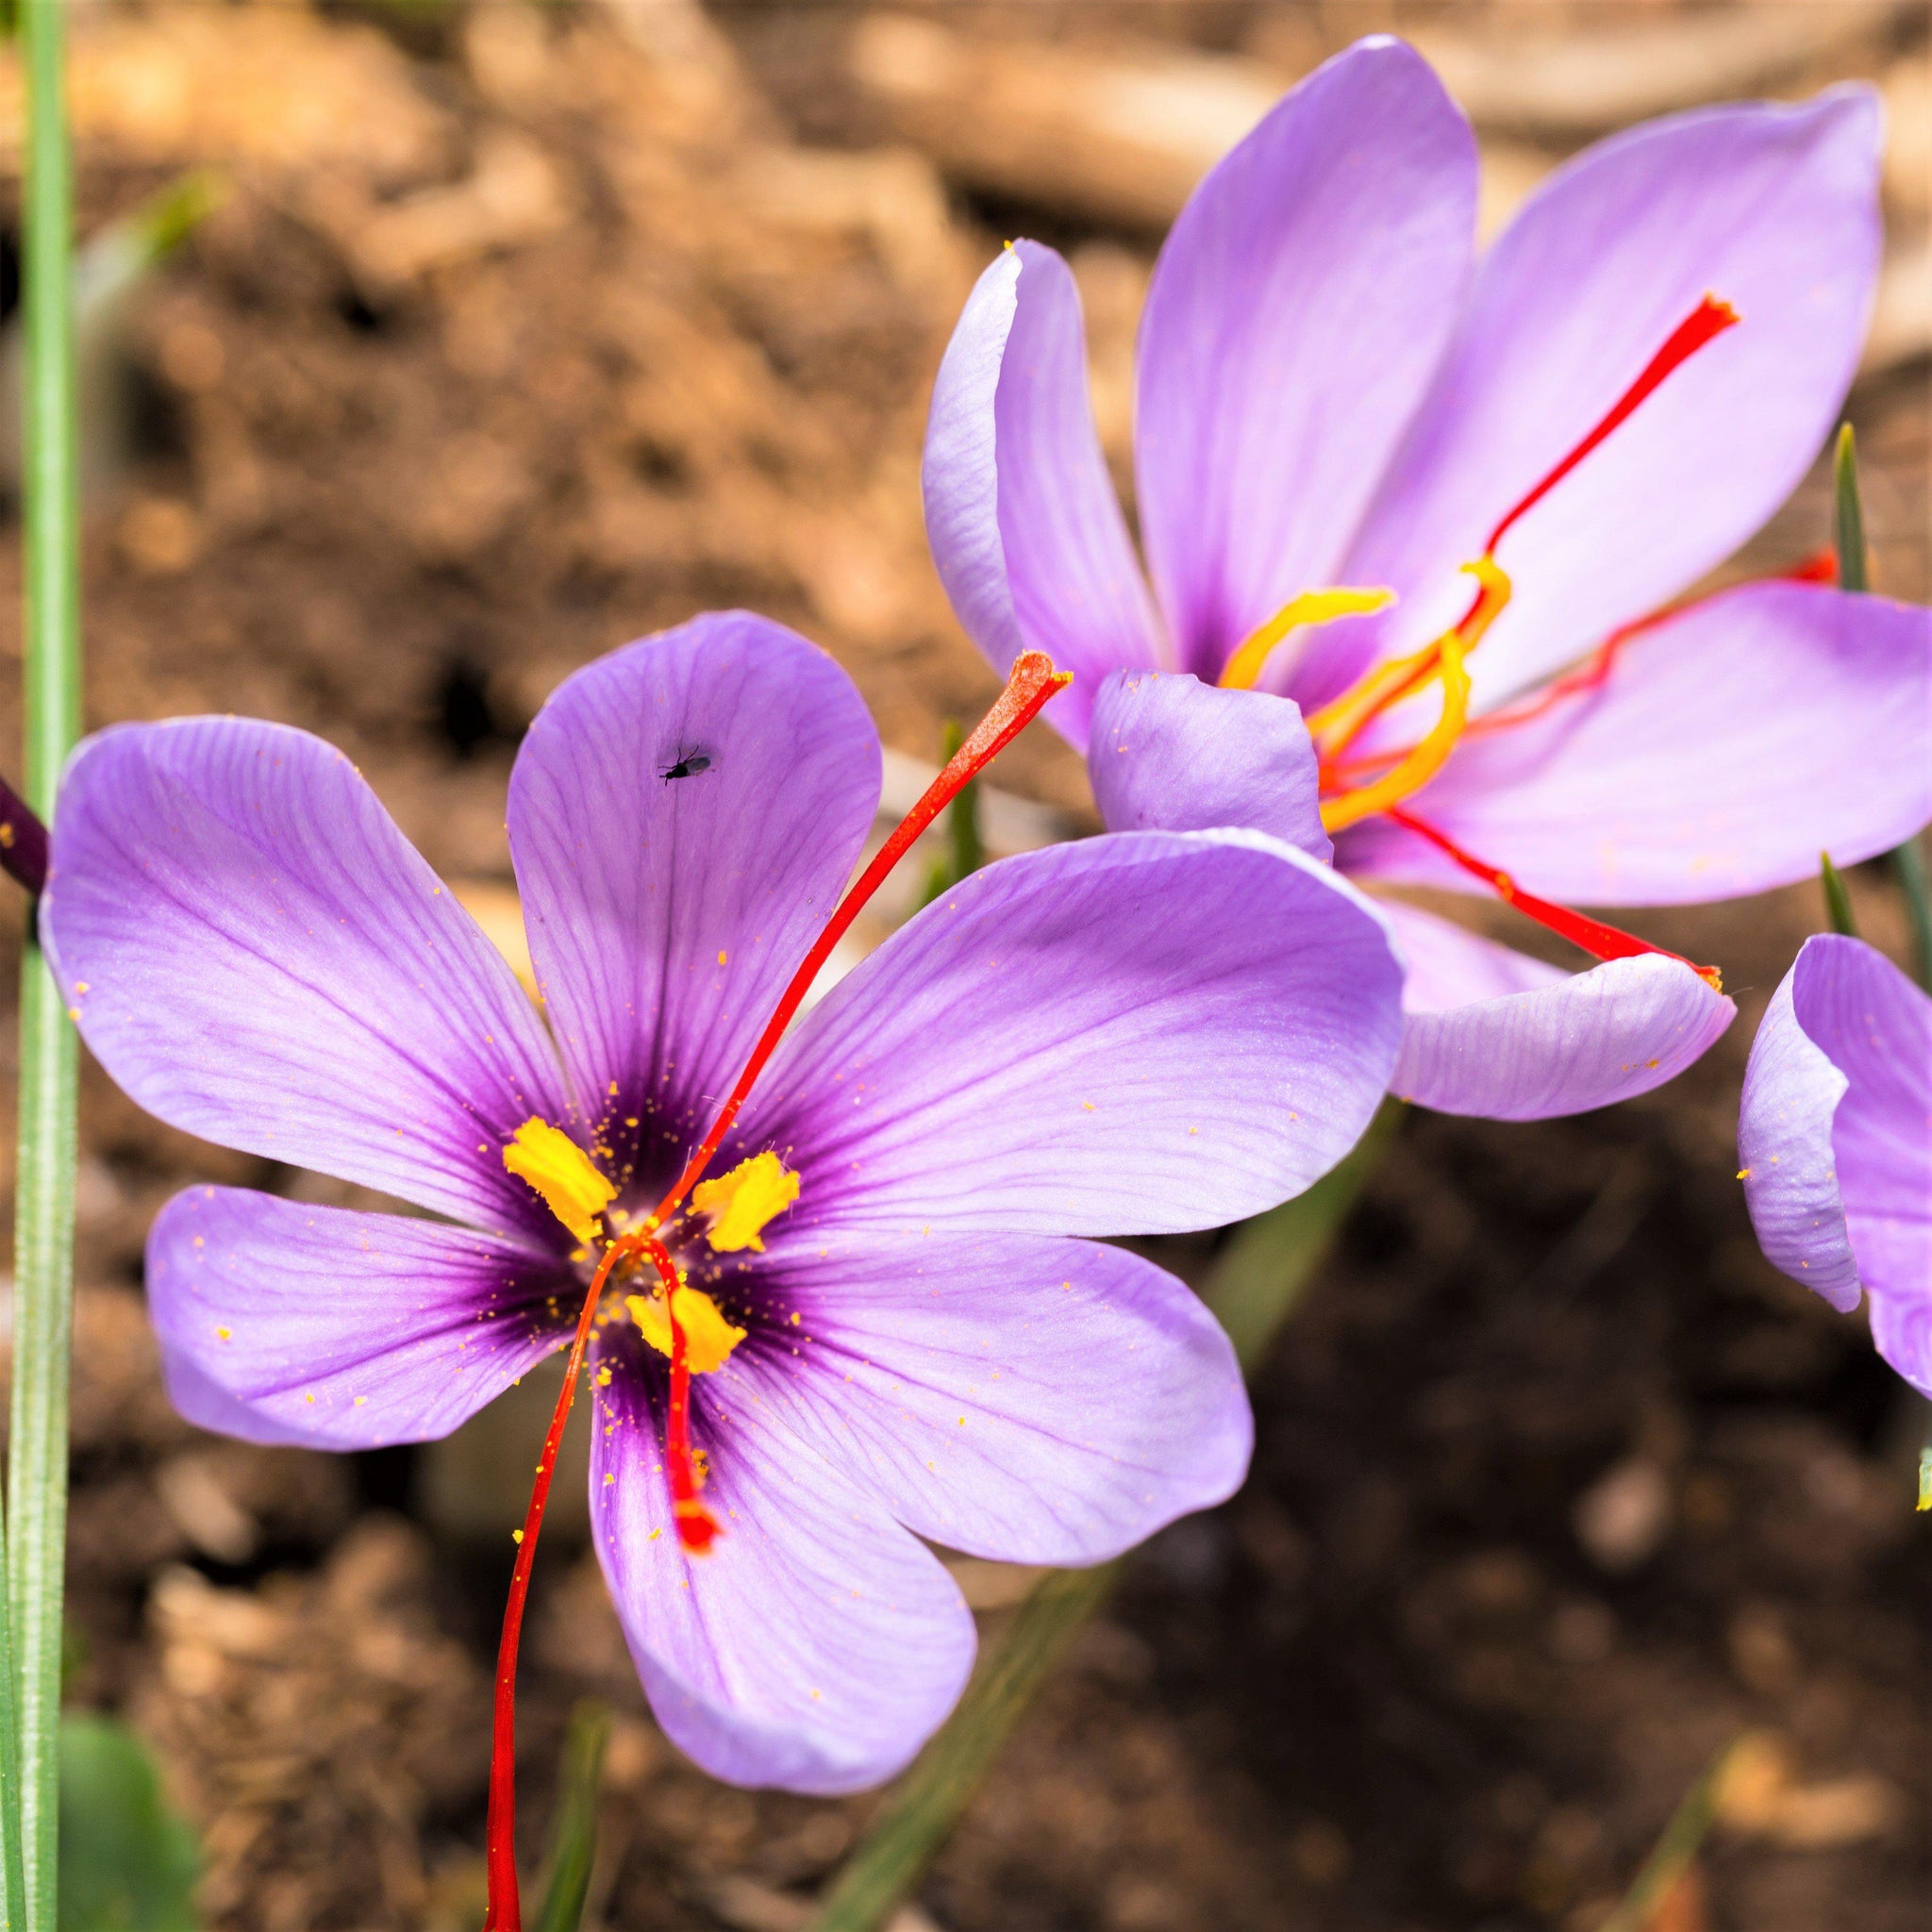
x=872, y=1320
x=1433, y=507
x=1834, y=1142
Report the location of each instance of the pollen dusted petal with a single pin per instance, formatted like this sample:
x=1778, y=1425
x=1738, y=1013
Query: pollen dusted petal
x=708, y=1337
x=742, y=1202
x=562, y=1173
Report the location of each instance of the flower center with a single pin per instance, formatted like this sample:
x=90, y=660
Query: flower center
x=1379, y=781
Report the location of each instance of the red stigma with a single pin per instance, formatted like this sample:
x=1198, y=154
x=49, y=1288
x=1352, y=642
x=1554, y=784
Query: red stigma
x=1595, y=937
x=1030, y=683
x=1709, y=318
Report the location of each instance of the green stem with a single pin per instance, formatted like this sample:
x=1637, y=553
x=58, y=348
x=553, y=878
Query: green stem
x=44, y=1212
x=1855, y=574
x=1837, y=900
x=1256, y=1282
x=920, y=1815
x=1683, y=1837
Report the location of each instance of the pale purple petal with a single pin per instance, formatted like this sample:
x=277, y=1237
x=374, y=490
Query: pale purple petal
x=1169, y=754
x=1771, y=208
x=286, y=1323
x=1136, y=1033
x=257, y=955
x=1792, y=1089
x=1448, y=967
x=816, y=1645
x=1728, y=747
x=1027, y=1399
x=1589, y=1040
x=666, y=915
x=1875, y=1028
x=1902, y=1333
x=1021, y=514
x=1295, y=316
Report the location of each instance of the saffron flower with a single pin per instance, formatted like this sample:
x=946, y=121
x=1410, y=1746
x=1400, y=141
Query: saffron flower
x=1431, y=508
x=863, y=1312
x=1834, y=1142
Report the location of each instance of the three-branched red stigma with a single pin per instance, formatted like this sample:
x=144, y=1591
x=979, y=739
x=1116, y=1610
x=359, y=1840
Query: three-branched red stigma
x=1363, y=780
x=580, y=1196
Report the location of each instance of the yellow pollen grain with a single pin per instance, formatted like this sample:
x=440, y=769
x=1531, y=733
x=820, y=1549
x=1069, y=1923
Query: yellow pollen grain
x=224, y=1334
x=562, y=1173
x=721, y=958
x=708, y=1337
x=742, y=1202
x=1743, y=1174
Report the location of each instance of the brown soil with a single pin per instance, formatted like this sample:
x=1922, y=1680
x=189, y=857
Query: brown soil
x=521, y=331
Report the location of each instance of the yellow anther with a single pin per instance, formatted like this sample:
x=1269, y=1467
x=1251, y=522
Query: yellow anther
x=1309, y=608
x=1424, y=761
x=562, y=1173
x=740, y=1203
x=708, y=1337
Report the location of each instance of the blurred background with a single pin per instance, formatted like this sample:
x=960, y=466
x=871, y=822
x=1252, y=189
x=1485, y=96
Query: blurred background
x=434, y=348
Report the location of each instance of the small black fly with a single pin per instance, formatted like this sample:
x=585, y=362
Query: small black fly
x=689, y=765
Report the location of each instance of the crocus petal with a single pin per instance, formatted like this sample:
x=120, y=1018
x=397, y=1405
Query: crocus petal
x=1792, y=1089
x=285, y=1323
x=1448, y=967
x=1562, y=1044
x=1771, y=208
x=1020, y=510
x=1711, y=763
x=666, y=915
x=1295, y=316
x=1902, y=1333
x=1169, y=753
x=257, y=955
x=1136, y=1033
x=816, y=1645
x=1875, y=1026
x=1031, y=1400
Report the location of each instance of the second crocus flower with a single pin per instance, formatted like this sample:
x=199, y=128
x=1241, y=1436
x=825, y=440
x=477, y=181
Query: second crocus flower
x=1433, y=507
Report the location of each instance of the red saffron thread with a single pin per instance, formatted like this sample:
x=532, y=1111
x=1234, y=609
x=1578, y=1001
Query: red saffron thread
x=1592, y=935
x=1710, y=318
x=1029, y=684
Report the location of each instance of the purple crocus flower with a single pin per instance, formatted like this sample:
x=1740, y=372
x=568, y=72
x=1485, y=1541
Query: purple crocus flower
x=892, y=1328
x=1344, y=414
x=1835, y=1141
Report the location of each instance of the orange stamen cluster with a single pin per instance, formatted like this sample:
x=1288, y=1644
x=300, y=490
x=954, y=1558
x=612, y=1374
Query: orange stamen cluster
x=1030, y=684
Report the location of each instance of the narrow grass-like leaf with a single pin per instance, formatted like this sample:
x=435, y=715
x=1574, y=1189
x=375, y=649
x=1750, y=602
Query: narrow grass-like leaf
x=1855, y=574
x=965, y=848
x=574, y=1830
x=1838, y=901
x=44, y=1221
x=1258, y=1278
x=1684, y=1836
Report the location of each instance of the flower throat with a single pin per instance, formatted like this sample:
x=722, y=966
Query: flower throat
x=579, y=1204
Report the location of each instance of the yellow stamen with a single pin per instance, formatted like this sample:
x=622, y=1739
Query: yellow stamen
x=1309, y=608
x=740, y=1203
x=708, y=1337
x=1424, y=761
x=562, y=1173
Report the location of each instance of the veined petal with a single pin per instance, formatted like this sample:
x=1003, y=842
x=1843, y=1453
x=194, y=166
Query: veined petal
x=257, y=955
x=1169, y=754
x=285, y=1323
x=1295, y=316
x=665, y=915
x=1136, y=1033
x=1021, y=514
x=816, y=1645
x=1773, y=209
x=1792, y=1089
x=1023, y=1398
x=1711, y=763
x=1874, y=1028
x=1546, y=1046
